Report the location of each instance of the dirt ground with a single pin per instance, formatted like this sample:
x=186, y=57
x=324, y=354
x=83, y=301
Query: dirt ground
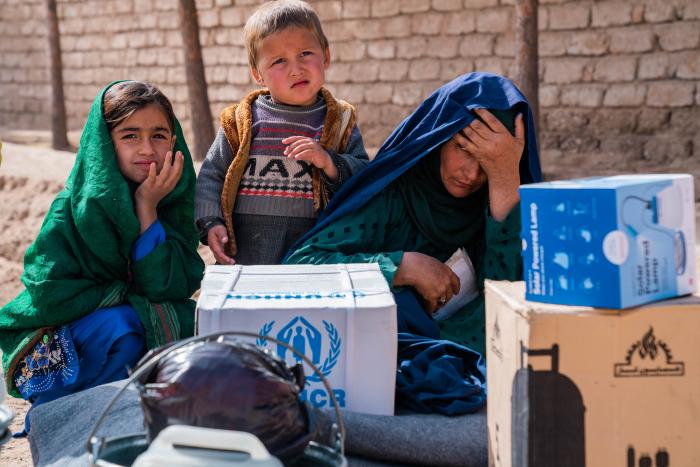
x=30, y=177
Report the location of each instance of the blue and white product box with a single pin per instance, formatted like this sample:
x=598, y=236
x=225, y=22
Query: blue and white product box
x=341, y=316
x=609, y=242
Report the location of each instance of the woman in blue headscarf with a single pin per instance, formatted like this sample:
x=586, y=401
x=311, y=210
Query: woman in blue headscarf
x=446, y=178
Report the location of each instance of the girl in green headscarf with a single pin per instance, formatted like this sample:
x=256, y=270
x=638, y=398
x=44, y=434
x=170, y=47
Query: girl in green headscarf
x=112, y=270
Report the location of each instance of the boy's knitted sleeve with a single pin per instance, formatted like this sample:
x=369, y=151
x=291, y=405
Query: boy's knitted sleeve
x=210, y=181
x=350, y=162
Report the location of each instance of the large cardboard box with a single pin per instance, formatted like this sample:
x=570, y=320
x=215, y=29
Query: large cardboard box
x=611, y=242
x=342, y=317
x=574, y=386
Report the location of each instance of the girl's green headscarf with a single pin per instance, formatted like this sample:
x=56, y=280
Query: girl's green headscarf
x=81, y=259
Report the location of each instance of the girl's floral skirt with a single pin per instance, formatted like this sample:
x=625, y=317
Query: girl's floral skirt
x=96, y=349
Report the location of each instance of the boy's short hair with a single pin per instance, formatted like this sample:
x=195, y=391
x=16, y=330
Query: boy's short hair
x=275, y=16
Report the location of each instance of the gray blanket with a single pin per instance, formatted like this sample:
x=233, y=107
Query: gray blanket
x=60, y=430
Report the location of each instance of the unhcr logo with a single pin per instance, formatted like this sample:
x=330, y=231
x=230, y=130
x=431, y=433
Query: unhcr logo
x=306, y=339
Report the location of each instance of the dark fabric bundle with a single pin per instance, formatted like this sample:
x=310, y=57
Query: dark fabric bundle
x=229, y=384
x=439, y=376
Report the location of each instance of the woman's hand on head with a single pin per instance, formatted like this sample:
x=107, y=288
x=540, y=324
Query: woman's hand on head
x=156, y=187
x=434, y=281
x=498, y=153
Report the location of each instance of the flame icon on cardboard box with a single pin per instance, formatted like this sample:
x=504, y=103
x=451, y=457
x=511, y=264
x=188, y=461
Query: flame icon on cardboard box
x=300, y=334
x=641, y=359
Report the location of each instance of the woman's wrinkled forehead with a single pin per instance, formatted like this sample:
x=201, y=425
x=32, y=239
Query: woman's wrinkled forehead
x=456, y=142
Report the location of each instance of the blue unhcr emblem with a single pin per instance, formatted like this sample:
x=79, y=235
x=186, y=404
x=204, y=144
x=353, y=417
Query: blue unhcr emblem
x=303, y=337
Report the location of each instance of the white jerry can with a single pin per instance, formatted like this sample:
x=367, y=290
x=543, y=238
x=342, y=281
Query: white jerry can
x=189, y=446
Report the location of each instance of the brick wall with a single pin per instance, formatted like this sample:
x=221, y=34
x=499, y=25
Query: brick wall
x=24, y=65
x=620, y=80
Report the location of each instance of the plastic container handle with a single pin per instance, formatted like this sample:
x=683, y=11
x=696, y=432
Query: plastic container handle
x=211, y=438
x=94, y=444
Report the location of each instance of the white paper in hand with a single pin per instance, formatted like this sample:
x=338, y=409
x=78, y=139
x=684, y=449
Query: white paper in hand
x=460, y=263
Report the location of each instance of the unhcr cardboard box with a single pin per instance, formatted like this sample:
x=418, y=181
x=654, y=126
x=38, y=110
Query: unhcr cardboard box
x=574, y=386
x=610, y=242
x=342, y=317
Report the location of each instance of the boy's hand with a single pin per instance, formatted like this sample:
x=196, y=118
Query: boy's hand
x=156, y=187
x=217, y=238
x=309, y=150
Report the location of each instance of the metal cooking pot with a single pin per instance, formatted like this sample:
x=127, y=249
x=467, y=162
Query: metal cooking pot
x=180, y=445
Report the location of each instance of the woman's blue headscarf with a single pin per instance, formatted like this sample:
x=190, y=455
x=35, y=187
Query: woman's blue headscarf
x=436, y=120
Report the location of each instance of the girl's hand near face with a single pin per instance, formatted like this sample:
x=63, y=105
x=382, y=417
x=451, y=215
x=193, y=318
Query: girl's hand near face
x=309, y=150
x=156, y=187
x=498, y=153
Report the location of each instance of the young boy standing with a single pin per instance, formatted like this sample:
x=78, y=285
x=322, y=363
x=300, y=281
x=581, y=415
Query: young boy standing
x=280, y=152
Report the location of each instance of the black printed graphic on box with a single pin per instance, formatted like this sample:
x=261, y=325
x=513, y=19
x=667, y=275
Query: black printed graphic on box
x=661, y=459
x=649, y=357
x=495, y=340
x=546, y=433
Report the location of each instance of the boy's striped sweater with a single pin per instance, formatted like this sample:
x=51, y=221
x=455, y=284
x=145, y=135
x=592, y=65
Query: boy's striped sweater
x=271, y=199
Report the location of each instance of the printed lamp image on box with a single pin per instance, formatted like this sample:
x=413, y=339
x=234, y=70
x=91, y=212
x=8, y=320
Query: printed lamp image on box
x=611, y=242
x=341, y=316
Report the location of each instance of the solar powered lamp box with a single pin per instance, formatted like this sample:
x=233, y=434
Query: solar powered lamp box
x=341, y=316
x=610, y=242
x=578, y=386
